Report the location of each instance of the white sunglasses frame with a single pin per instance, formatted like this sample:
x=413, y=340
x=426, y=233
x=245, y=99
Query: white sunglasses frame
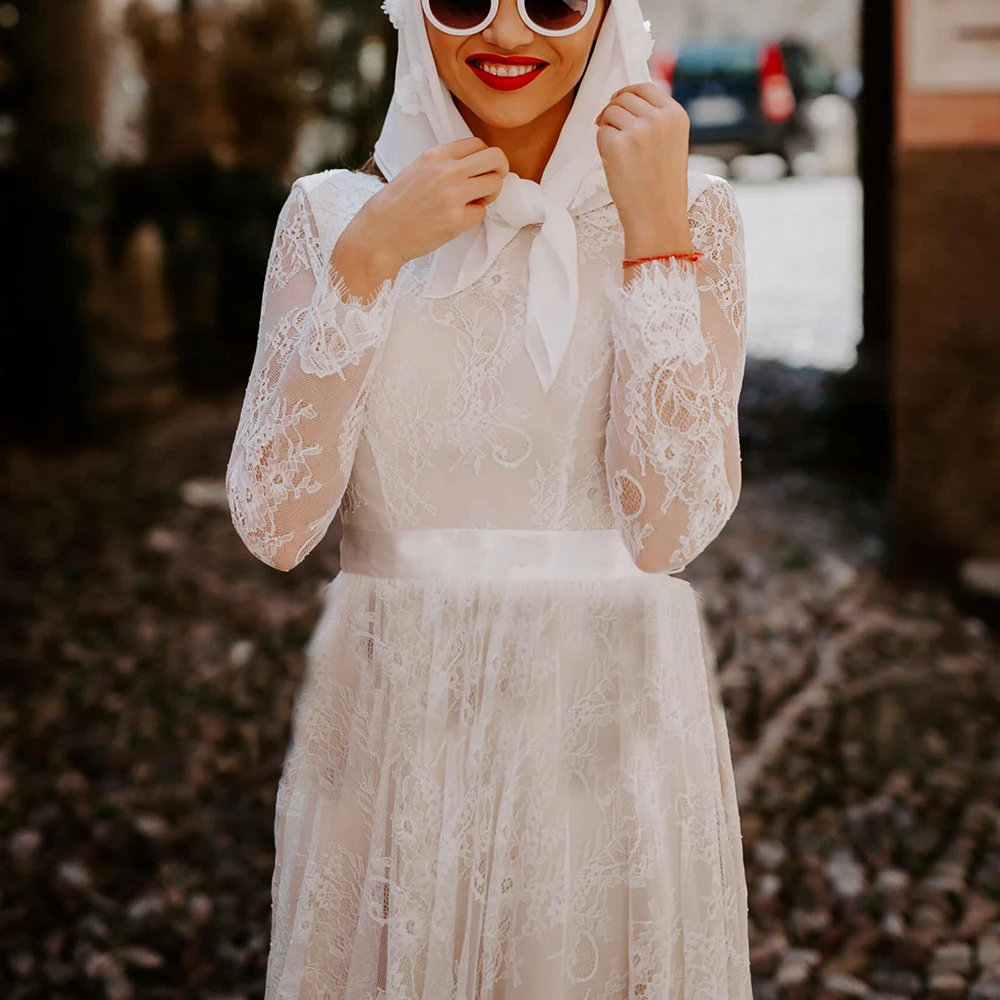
x=522, y=10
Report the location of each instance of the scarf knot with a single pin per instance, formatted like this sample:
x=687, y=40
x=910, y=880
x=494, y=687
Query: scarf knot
x=426, y=115
x=520, y=203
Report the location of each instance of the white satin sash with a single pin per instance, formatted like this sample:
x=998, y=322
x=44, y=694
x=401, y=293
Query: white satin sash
x=489, y=553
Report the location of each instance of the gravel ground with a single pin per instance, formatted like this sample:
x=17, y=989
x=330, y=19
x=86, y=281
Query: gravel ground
x=151, y=662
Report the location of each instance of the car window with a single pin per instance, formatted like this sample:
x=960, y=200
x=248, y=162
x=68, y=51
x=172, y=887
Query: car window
x=807, y=72
x=698, y=62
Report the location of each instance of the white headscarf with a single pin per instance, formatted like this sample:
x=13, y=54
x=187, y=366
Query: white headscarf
x=423, y=115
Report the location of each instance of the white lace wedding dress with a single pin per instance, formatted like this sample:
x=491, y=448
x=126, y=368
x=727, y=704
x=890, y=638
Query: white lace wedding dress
x=509, y=775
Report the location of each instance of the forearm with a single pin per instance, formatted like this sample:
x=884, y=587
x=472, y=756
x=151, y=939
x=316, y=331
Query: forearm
x=679, y=330
x=318, y=348
x=669, y=430
x=362, y=258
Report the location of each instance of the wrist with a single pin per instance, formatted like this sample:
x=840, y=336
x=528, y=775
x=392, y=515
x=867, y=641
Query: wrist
x=366, y=253
x=645, y=238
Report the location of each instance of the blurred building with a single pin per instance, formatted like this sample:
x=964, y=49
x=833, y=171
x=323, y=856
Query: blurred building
x=946, y=230
x=832, y=26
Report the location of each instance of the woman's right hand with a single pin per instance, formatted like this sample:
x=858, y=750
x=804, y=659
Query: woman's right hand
x=440, y=195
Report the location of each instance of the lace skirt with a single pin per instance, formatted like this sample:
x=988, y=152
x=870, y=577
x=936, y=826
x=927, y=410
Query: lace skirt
x=508, y=788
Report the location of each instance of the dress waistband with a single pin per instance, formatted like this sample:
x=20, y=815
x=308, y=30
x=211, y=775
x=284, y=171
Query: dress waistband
x=488, y=553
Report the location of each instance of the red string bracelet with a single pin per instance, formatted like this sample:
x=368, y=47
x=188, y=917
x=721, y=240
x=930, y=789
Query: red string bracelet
x=694, y=257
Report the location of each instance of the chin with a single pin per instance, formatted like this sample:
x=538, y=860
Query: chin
x=520, y=113
x=511, y=110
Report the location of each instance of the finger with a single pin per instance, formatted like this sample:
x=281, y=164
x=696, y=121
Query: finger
x=489, y=199
x=606, y=136
x=656, y=94
x=617, y=117
x=638, y=106
x=481, y=186
x=473, y=215
x=459, y=148
x=484, y=161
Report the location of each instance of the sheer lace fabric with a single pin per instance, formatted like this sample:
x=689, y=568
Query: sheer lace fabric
x=451, y=427
x=517, y=791
x=673, y=441
x=502, y=789
x=303, y=406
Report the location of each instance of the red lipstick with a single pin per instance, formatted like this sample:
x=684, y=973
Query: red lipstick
x=505, y=82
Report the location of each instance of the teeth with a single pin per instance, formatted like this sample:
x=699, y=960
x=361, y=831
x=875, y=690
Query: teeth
x=501, y=69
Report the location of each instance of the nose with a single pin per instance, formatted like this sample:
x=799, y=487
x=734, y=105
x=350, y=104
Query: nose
x=508, y=30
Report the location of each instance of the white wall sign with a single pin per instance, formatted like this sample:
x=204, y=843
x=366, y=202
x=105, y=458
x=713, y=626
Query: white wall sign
x=953, y=45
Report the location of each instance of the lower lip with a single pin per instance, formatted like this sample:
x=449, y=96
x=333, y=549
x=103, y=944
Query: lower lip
x=506, y=82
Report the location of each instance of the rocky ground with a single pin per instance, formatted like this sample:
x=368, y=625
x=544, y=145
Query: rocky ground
x=150, y=664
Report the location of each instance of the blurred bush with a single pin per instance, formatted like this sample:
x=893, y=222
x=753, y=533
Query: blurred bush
x=152, y=269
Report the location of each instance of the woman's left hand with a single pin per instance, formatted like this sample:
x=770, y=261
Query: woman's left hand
x=642, y=137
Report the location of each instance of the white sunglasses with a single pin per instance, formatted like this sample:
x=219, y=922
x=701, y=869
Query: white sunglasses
x=553, y=18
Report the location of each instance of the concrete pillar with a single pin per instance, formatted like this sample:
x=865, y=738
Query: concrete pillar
x=946, y=351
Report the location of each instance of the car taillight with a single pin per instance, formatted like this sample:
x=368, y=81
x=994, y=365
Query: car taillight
x=663, y=67
x=777, y=99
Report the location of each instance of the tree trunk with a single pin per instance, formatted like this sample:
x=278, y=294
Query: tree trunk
x=50, y=213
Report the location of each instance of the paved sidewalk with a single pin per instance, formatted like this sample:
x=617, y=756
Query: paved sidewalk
x=804, y=269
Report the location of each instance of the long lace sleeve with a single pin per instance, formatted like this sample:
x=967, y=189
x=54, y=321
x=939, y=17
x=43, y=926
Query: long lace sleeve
x=317, y=347
x=673, y=451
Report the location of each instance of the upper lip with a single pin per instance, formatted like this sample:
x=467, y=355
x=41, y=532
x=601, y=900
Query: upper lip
x=506, y=60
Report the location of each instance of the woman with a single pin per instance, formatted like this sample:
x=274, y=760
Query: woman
x=509, y=774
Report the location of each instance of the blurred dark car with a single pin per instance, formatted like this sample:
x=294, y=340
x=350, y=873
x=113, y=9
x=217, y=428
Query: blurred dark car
x=746, y=97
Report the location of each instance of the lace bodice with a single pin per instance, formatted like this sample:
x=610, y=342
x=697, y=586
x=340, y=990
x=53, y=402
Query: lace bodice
x=408, y=412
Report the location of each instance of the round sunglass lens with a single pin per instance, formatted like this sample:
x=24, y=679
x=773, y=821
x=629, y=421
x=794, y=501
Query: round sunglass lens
x=556, y=15
x=460, y=14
